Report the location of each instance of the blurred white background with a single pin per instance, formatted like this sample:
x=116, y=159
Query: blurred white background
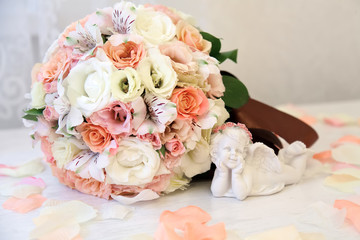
x=290, y=51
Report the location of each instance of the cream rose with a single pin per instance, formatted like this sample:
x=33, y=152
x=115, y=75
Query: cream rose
x=126, y=85
x=157, y=74
x=135, y=163
x=88, y=85
x=197, y=160
x=155, y=27
x=65, y=149
x=37, y=95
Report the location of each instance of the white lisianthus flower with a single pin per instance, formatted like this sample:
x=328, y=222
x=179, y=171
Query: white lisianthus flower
x=126, y=85
x=88, y=85
x=157, y=74
x=65, y=149
x=216, y=115
x=135, y=163
x=37, y=95
x=197, y=160
x=155, y=27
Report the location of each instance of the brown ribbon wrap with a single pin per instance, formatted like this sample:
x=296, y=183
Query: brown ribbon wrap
x=255, y=114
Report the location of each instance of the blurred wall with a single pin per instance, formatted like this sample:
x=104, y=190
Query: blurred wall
x=298, y=51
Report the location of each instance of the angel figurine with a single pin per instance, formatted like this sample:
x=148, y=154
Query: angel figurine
x=246, y=169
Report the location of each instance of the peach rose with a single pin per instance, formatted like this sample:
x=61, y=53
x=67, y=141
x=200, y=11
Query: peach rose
x=161, y=8
x=95, y=136
x=49, y=72
x=188, y=34
x=127, y=54
x=190, y=102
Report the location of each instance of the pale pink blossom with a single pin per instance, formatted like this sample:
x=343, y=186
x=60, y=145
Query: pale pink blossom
x=171, y=161
x=159, y=183
x=46, y=149
x=170, y=13
x=50, y=114
x=175, y=147
x=116, y=117
x=154, y=139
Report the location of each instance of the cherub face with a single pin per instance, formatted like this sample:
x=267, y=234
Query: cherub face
x=232, y=154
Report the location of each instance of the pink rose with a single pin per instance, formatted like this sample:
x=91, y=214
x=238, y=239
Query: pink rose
x=50, y=114
x=190, y=102
x=175, y=147
x=159, y=183
x=153, y=138
x=46, y=149
x=116, y=117
x=171, y=161
x=170, y=13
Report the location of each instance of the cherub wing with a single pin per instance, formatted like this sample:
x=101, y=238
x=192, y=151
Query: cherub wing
x=263, y=157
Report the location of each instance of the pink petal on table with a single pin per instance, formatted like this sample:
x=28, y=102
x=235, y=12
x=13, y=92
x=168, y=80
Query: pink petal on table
x=346, y=139
x=352, y=211
x=339, y=166
x=24, y=205
x=343, y=182
x=310, y=120
x=333, y=121
x=324, y=157
x=32, y=181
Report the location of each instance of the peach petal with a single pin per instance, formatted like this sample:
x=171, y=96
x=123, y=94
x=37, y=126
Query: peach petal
x=346, y=139
x=288, y=233
x=352, y=211
x=24, y=205
x=343, y=182
x=310, y=120
x=198, y=231
x=324, y=157
x=32, y=181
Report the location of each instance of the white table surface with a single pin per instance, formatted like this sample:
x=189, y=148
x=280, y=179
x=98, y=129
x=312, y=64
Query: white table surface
x=253, y=215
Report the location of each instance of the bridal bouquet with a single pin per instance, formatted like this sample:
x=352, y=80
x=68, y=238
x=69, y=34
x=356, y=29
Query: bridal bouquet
x=125, y=101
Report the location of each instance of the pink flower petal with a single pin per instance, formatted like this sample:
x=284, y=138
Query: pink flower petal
x=346, y=139
x=32, y=181
x=24, y=205
x=198, y=231
x=352, y=211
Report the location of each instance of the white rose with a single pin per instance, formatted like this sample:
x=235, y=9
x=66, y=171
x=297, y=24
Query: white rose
x=65, y=149
x=126, y=85
x=155, y=27
x=88, y=85
x=135, y=163
x=197, y=160
x=157, y=74
x=37, y=95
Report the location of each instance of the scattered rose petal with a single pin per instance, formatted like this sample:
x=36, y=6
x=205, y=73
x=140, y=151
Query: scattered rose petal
x=32, y=181
x=61, y=221
x=140, y=237
x=339, y=120
x=144, y=195
x=24, y=191
x=324, y=157
x=24, y=205
x=112, y=211
x=352, y=211
x=347, y=153
x=346, y=139
x=312, y=236
x=288, y=233
x=191, y=221
x=342, y=182
x=28, y=169
x=346, y=169
x=323, y=216
x=298, y=113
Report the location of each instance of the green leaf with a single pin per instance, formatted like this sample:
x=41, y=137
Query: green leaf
x=232, y=55
x=34, y=111
x=162, y=151
x=215, y=43
x=30, y=117
x=236, y=93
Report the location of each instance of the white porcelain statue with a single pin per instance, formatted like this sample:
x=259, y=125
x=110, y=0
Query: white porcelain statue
x=247, y=169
